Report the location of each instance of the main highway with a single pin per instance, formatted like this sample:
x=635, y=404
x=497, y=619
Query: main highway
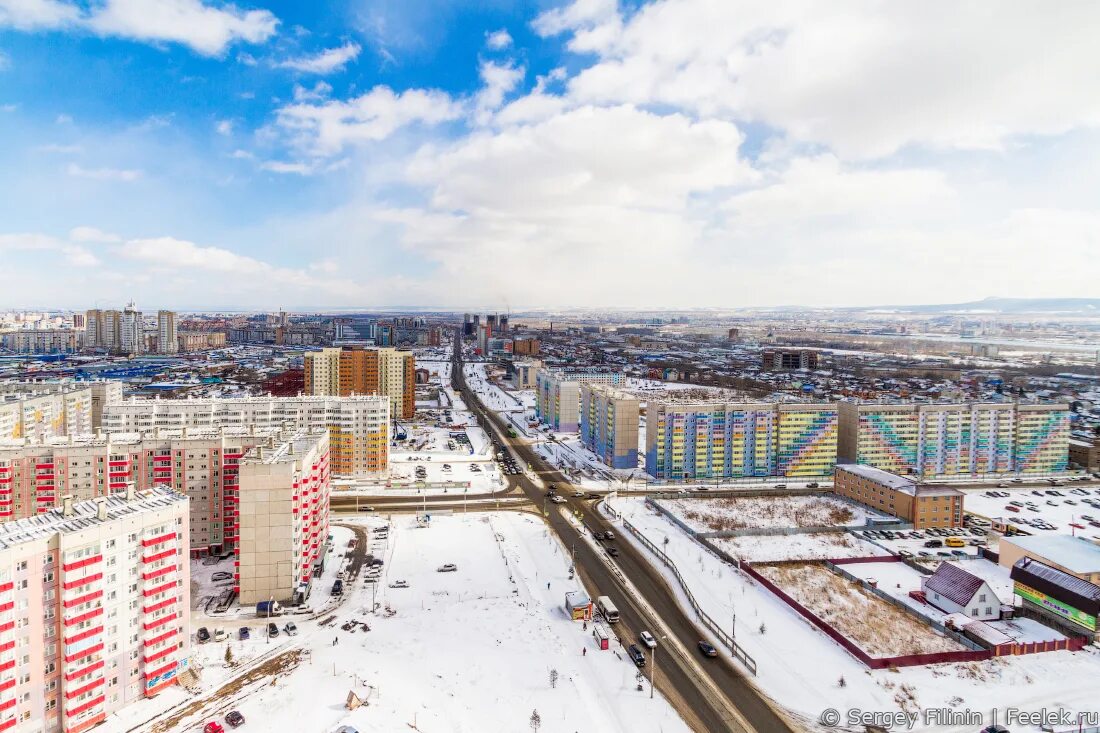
x=711, y=694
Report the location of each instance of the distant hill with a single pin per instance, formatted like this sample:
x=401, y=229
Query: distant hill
x=1084, y=306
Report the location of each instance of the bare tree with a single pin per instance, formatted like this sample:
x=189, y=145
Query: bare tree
x=553, y=679
x=535, y=721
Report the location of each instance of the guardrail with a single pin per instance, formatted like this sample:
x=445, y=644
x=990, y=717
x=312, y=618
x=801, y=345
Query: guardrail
x=738, y=652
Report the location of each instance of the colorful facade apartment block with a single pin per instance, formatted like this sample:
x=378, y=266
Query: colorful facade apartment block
x=609, y=424
x=944, y=439
x=94, y=605
x=709, y=440
x=558, y=395
x=358, y=426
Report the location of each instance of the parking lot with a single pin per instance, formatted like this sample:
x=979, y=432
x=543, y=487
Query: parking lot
x=1064, y=509
x=933, y=542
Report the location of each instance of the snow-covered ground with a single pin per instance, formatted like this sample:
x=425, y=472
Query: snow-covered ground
x=801, y=668
x=826, y=546
x=464, y=651
x=768, y=512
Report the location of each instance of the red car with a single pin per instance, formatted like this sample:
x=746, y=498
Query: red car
x=213, y=727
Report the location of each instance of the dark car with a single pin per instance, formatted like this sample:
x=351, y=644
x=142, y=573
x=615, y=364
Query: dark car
x=243, y=633
x=272, y=629
x=613, y=551
x=376, y=562
x=221, y=575
x=708, y=649
x=234, y=719
x=636, y=655
x=203, y=635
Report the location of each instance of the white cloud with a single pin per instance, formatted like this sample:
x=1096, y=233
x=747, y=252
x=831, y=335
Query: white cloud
x=325, y=62
x=29, y=15
x=74, y=255
x=63, y=119
x=498, y=40
x=297, y=168
x=320, y=90
x=59, y=149
x=224, y=127
x=104, y=174
x=327, y=128
x=91, y=234
x=8, y=107
x=242, y=155
x=206, y=29
x=499, y=81
x=864, y=80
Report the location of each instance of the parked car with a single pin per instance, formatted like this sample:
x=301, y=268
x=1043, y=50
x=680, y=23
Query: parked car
x=338, y=588
x=203, y=635
x=647, y=638
x=707, y=649
x=399, y=584
x=376, y=562
x=219, y=635
x=221, y=575
x=609, y=535
x=812, y=485
x=235, y=719
x=243, y=633
x=613, y=551
x=557, y=499
x=636, y=655
x=290, y=629
x=447, y=568
x=272, y=629
x=213, y=727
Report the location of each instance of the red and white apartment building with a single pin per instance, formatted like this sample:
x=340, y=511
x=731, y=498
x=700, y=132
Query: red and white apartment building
x=94, y=602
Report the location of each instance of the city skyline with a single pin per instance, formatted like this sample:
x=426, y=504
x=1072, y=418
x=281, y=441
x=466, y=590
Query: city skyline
x=669, y=154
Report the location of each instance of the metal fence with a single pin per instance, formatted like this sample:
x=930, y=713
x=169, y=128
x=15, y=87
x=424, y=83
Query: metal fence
x=739, y=653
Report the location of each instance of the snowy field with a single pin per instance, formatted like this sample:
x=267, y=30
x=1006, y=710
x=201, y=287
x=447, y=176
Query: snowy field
x=826, y=546
x=464, y=651
x=768, y=512
x=874, y=625
x=801, y=668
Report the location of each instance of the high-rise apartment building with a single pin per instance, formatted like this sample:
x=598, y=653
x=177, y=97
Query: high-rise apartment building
x=609, y=424
x=558, y=395
x=356, y=370
x=709, y=440
x=167, y=339
x=131, y=331
x=94, y=607
x=283, y=515
x=358, y=426
x=119, y=332
x=944, y=439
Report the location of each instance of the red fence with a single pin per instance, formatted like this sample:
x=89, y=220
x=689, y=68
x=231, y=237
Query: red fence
x=909, y=660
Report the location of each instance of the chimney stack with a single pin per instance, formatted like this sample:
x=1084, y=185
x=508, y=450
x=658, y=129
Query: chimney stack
x=67, y=505
x=101, y=508
x=130, y=491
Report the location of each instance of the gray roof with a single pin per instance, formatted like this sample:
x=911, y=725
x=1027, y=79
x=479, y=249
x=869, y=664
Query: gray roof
x=954, y=583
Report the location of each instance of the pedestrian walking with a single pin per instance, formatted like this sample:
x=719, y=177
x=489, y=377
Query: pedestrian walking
x=548, y=585
x=585, y=628
x=584, y=651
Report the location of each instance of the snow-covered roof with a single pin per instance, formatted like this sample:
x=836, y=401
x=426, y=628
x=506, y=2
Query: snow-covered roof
x=1077, y=555
x=954, y=584
x=894, y=481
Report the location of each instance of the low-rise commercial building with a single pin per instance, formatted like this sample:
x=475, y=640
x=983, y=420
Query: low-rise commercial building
x=921, y=505
x=609, y=424
x=1074, y=555
x=94, y=605
x=1063, y=598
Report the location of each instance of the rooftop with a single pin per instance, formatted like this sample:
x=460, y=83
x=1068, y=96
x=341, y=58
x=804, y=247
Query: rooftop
x=1073, y=553
x=85, y=514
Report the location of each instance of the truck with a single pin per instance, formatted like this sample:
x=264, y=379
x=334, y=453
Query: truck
x=607, y=609
x=268, y=608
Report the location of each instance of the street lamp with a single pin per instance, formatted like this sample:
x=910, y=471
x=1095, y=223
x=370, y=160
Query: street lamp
x=653, y=674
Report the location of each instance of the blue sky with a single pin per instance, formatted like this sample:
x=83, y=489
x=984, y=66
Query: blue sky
x=357, y=153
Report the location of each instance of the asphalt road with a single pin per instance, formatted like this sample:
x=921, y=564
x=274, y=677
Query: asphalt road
x=712, y=694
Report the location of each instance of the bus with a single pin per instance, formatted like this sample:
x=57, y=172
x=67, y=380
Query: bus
x=607, y=609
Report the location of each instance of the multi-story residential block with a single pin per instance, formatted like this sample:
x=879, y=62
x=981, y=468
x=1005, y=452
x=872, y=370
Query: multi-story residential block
x=356, y=370
x=558, y=395
x=693, y=440
x=358, y=426
x=609, y=424
x=167, y=338
x=922, y=505
x=944, y=439
x=131, y=331
x=41, y=410
x=43, y=341
x=94, y=604
x=789, y=359
x=200, y=340
x=1085, y=452
x=283, y=514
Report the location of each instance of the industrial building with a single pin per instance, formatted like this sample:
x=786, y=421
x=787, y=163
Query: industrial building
x=690, y=439
x=921, y=505
x=609, y=424
x=947, y=439
x=94, y=607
